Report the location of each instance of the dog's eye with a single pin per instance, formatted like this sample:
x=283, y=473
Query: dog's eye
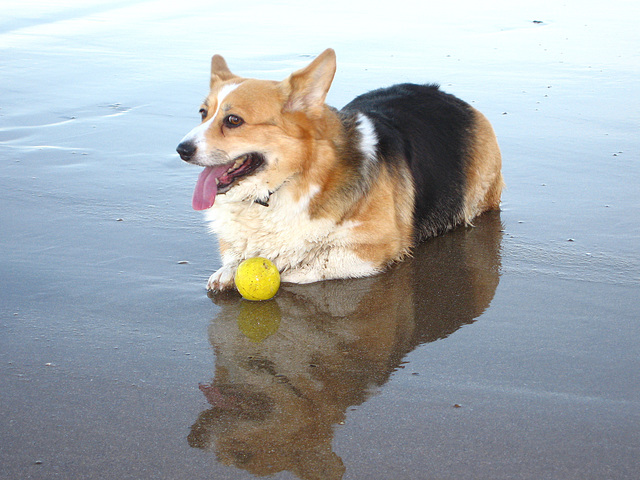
x=203, y=113
x=232, y=121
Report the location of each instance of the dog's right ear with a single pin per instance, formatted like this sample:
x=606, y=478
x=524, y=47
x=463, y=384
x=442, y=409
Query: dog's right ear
x=219, y=70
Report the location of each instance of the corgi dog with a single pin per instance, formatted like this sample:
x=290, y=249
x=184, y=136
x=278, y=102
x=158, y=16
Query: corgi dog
x=325, y=193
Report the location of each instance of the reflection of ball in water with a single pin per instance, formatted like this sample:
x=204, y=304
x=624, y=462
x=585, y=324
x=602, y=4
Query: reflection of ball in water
x=258, y=321
x=257, y=279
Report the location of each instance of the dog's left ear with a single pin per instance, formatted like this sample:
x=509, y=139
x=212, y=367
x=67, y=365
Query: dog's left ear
x=219, y=71
x=308, y=88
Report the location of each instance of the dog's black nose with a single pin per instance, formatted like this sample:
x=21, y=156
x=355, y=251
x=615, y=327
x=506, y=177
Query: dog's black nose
x=186, y=150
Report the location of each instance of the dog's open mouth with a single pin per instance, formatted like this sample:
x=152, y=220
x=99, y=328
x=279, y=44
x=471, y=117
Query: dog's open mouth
x=220, y=179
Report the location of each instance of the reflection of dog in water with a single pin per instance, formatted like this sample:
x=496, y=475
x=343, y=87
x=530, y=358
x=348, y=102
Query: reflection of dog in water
x=287, y=370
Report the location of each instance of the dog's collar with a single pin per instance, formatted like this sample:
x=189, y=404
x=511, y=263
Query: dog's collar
x=264, y=202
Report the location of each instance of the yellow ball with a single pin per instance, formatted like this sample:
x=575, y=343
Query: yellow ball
x=257, y=279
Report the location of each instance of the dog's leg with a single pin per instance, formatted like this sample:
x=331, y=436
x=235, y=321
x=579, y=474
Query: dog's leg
x=331, y=264
x=328, y=264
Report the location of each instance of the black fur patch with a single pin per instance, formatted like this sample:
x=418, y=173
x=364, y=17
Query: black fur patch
x=430, y=131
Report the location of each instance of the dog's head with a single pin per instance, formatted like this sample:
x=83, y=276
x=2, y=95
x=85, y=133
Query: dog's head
x=257, y=135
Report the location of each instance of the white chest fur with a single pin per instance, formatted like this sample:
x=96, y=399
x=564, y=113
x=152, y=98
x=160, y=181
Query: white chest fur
x=304, y=249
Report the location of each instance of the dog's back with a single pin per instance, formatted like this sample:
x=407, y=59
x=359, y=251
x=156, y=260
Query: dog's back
x=443, y=141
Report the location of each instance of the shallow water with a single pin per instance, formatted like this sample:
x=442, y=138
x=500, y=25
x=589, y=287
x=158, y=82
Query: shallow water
x=505, y=351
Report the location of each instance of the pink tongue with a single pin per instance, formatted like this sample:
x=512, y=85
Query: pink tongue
x=206, y=189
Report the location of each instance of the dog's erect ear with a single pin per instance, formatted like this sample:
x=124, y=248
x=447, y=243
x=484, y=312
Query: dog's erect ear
x=308, y=88
x=219, y=70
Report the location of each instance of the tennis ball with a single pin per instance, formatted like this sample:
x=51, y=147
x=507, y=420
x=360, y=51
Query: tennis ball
x=257, y=279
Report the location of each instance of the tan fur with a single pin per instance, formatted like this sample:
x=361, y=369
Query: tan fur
x=386, y=234
x=219, y=70
x=484, y=177
x=259, y=103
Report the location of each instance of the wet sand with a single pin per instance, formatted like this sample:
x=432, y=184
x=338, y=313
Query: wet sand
x=506, y=351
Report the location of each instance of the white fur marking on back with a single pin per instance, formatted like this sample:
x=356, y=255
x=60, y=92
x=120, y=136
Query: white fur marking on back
x=368, y=137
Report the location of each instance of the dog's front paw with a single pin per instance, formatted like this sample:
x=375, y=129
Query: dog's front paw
x=222, y=280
